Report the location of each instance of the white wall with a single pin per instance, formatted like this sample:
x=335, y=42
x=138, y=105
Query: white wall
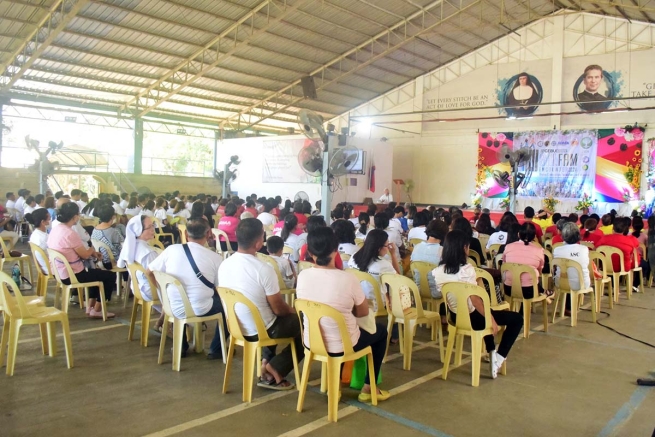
x=249, y=180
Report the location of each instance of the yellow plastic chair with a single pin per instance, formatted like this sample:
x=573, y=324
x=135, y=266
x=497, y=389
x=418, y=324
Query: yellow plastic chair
x=517, y=296
x=159, y=231
x=548, y=244
x=359, y=241
x=140, y=301
x=302, y=265
x=425, y=269
x=564, y=288
x=42, y=274
x=230, y=299
x=555, y=245
x=289, y=293
x=416, y=241
x=92, y=222
x=493, y=250
x=546, y=278
x=163, y=281
x=367, y=277
x=409, y=318
x=589, y=244
x=462, y=327
x=600, y=261
x=484, y=239
x=288, y=250
x=637, y=269
x=97, y=245
x=218, y=234
x=182, y=229
x=610, y=251
x=23, y=260
x=313, y=312
x=476, y=257
x=344, y=257
x=82, y=287
x=484, y=276
x=156, y=243
x=17, y=313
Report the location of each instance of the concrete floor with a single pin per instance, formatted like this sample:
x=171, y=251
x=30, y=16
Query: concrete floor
x=570, y=382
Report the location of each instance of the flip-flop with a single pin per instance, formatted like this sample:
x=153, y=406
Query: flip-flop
x=272, y=385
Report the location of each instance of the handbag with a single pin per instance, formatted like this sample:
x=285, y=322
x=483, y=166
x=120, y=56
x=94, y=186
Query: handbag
x=194, y=266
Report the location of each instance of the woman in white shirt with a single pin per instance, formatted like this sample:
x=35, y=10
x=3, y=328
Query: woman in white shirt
x=265, y=216
x=289, y=237
x=181, y=211
x=421, y=220
x=574, y=251
x=364, y=224
x=454, y=267
x=381, y=221
x=330, y=286
x=345, y=233
x=371, y=259
x=500, y=236
x=132, y=207
x=149, y=209
x=41, y=220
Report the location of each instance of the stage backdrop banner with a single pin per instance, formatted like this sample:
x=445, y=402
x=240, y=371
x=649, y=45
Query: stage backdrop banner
x=618, y=165
x=280, y=162
x=563, y=164
x=489, y=181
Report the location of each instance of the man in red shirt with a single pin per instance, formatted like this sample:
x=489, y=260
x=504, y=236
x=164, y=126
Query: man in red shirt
x=625, y=243
x=552, y=230
x=528, y=214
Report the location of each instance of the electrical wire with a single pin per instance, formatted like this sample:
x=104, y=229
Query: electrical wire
x=619, y=332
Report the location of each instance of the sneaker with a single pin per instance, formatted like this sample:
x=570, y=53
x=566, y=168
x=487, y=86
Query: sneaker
x=75, y=299
x=635, y=289
x=493, y=368
x=499, y=363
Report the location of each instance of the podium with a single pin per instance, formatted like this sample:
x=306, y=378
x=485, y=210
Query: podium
x=396, y=190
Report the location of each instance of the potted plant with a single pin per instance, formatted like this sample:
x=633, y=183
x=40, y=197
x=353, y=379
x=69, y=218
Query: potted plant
x=585, y=204
x=549, y=203
x=504, y=204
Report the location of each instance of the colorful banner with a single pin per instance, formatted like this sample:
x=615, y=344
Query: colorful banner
x=562, y=164
x=618, y=165
x=493, y=175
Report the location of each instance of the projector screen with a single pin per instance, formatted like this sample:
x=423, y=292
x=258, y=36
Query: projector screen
x=359, y=166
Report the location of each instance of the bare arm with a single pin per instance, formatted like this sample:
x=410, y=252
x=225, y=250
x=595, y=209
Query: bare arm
x=87, y=252
x=279, y=306
x=361, y=310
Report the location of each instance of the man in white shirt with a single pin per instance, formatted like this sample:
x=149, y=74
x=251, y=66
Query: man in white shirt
x=125, y=200
x=20, y=202
x=30, y=205
x=386, y=197
x=11, y=201
x=77, y=227
x=203, y=298
x=76, y=196
x=40, y=201
x=117, y=207
x=245, y=273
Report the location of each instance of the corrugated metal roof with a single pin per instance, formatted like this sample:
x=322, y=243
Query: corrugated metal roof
x=114, y=52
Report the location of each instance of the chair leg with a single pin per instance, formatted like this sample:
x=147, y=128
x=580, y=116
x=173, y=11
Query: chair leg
x=178, y=332
x=249, y=356
x=629, y=285
x=294, y=357
x=459, y=347
x=333, y=369
x=593, y=307
x=544, y=303
x=302, y=387
x=575, y=306
x=557, y=297
x=527, y=307
x=14, y=331
x=43, y=328
x=409, y=329
x=476, y=344
x=52, y=339
x=228, y=365
x=130, y=332
x=259, y=362
x=103, y=302
x=68, y=344
x=5, y=337
x=373, y=379
x=389, y=327
x=162, y=342
x=452, y=331
x=146, y=313
x=440, y=339
x=324, y=378
x=221, y=333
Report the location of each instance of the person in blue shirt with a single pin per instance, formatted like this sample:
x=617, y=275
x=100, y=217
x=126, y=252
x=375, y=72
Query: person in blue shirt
x=399, y=215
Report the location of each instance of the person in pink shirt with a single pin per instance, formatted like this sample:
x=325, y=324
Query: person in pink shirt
x=65, y=240
x=526, y=253
x=250, y=207
x=228, y=224
x=221, y=207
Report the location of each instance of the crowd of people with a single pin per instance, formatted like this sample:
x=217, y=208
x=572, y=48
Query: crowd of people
x=376, y=241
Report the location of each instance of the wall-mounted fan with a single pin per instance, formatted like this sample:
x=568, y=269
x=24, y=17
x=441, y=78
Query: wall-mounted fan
x=310, y=159
x=525, y=160
x=343, y=161
x=311, y=124
x=301, y=196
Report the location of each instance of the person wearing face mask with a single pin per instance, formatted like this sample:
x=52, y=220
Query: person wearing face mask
x=77, y=226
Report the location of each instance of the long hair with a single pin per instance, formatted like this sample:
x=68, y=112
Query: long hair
x=364, y=220
x=589, y=225
x=483, y=226
x=344, y=231
x=637, y=226
x=290, y=223
x=179, y=207
x=527, y=233
x=513, y=233
x=375, y=241
x=453, y=256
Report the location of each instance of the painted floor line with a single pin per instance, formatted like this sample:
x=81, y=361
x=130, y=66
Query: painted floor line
x=82, y=331
x=625, y=412
x=319, y=423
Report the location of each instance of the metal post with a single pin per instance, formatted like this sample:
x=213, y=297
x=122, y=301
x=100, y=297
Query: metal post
x=138, y=145
x=217, y=136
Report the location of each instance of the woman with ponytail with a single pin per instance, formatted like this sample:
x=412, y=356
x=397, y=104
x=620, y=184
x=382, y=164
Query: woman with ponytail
x=527, y=253
x=589, y=234
x=364, y=223
x=290, y=238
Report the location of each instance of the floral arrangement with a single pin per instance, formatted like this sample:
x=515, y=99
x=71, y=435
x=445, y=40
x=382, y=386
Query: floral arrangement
x=633, y=176
x=504, y=204
x=550, y=202
x=476, y=199
x=640, y=207
x=585, y=202
x=630, y=133
x=627, y=195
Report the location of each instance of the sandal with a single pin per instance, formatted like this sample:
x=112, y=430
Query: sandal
x=272, y=385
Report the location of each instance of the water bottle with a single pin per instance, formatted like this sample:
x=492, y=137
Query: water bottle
x=15, y=274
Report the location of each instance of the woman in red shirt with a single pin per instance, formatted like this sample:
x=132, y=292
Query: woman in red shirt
x=228, y=224
x=589, y=233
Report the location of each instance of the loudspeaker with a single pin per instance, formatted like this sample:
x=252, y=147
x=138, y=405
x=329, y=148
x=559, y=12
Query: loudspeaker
x=308, y=87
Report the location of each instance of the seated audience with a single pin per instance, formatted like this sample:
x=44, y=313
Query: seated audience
x=41, y=222
x=314, y=222
x=65, y=240
x=464, y=225
x=330, y=286
x=528, y=215
x=626, y=244
x=526, y=253
x=364, y=221
x=500, y=236
x=108, y=234
x=245, y=273
x=483, y=225
x=589, y=232
x=574, y=251
x=344, y=231
x=455, y=268
x=275, y=247
x=420, y=221
x=289, y=236
x=200, y=287
x=228, y=224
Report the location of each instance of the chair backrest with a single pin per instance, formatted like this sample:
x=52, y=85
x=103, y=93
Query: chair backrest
x=462, y=291
x=3, y=245
x=97, y=245
x=493, y=249
x=548, y=243
x=548, y=254
x=37, y=249
x=484, y=239
x=90, y=221
x=288, y=250
x=609, y=252
x=159, y=228
x=218, y=234
x=230, y=299
x=517, y=270
x=600, y=261
x=163, y=281
x=424, y=269
x=15, y=305
x=182, y=228
x=313, y=312
x=589, y=244
x=58, y=258
x=564, y=265
x=644, y=251
x=367, y=277
x=270, y=261
x=484, y=276
x=476, y=256
x=553, y=246
x=302, y=265
x=635, y=258
x=135, y=268
x=156, y=243
x=416, y=241
x=359, y=241
x=393, y=282
x=344, y=256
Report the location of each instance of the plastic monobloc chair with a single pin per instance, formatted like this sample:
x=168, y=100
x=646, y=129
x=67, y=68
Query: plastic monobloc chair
x=609, y=253
x=425, y=269
x=140, y=301
x=564, y=287
x=99, y=246
x=517, y=298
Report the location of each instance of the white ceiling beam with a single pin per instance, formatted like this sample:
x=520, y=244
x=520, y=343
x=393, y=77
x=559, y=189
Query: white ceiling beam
x=284, y=98
x=57, y=18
